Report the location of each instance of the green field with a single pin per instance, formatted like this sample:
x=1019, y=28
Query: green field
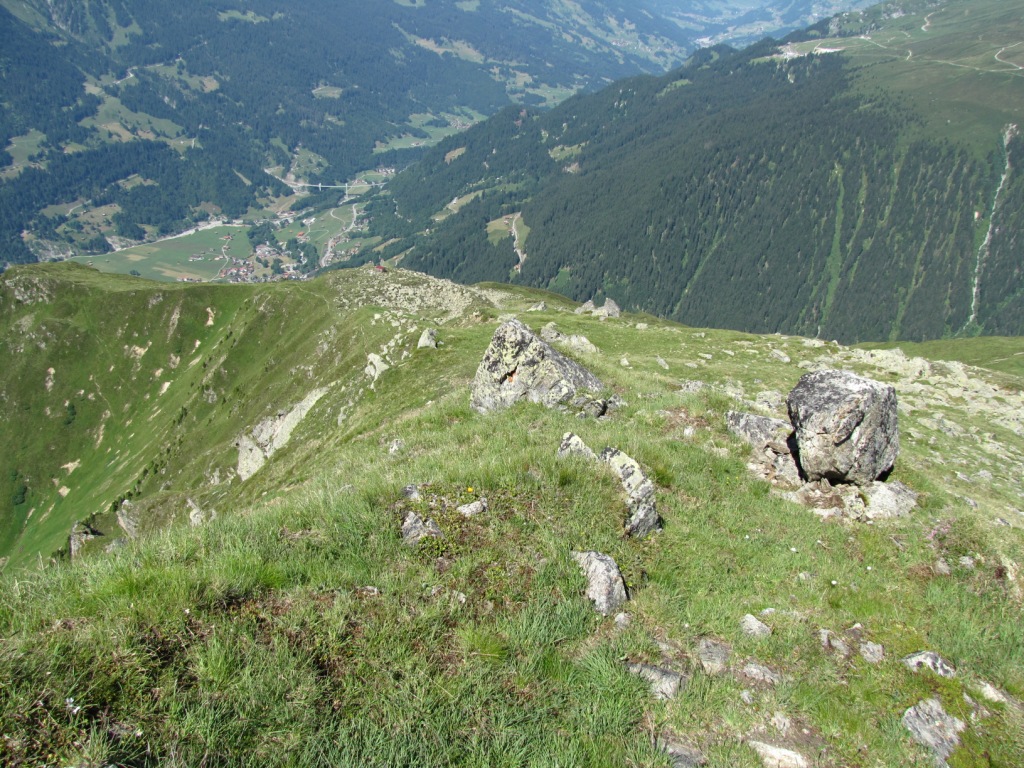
x=465, y=117
x=170, y=259
x=20, y=149
x=960, y=68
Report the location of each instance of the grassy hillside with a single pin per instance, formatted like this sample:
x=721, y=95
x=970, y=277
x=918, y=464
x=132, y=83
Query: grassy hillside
x=294, y=628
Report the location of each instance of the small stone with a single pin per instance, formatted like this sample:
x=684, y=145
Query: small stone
x=781, y=723
x=415, y=529
x=412, y=492
x=661, y=362
x=830, y=641
x=396, y=446
x=990, y=693
x=779, y=355
x=428, y=339
x=873, y=653
x=681, y=755
x=752, y=626
x=623, y=620
x=942, y=567
x=930, y=660
x=624, y=362
x=473, y=508
x=605, y=586
x=778, y=757
x=761, y=674
x=665, y=683
x=713, y=655
x=966, y=561
x=932, y=727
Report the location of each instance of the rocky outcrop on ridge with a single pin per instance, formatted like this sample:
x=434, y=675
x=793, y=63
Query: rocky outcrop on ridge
x=520, y=366
x=271, y=434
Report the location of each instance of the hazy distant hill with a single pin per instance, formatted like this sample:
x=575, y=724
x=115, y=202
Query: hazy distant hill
x=859, y=180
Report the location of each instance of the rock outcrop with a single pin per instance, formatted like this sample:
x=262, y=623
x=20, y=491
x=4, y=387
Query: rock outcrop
x=428, y=339
x=639, y=492
x=846, y=427
x=519, y=366
x=605, y=586
x=932, y=727
x=774, y=446
x=573, y=445
x=415, y=529
x=272, y=434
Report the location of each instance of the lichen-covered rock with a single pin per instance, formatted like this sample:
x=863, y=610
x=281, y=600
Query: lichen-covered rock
x=930, y=660
x=605, y=586
x=519, y=366
x=573, y=444
x=878, y=501
x=415, y=529
x=932, y=727
x=846, y=426
x=639, y=492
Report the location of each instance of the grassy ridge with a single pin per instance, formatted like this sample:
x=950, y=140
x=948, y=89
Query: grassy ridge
x=256, y=638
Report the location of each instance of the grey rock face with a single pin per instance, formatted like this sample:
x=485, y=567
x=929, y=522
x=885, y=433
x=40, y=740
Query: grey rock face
x=846, y=426
x=930, y=660
x=519, y=366
x=415, y=529
x=572, y=444
x=932, y=727
x=128, y=519
x=774, y=444
x=754, y=627
x=608, y=309
x=713, y=655
x=585, y=308
x=665, y=683
x=605, y=586
x=428, y=339
x=639, y=492
x=80, y=533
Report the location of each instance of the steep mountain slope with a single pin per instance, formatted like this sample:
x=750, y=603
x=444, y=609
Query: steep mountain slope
x=279, y=618
x=103, y=100
x=859, y=182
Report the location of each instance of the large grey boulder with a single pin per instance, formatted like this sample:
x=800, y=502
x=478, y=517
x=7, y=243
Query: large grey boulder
x=639, y=492
x=932, y=727
x=846, y=426
x=605, y=586
x=519, y=366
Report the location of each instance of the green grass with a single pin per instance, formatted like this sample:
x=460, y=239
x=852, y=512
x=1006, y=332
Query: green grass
x=21, y=149
x=255, y=639
x=171, y=260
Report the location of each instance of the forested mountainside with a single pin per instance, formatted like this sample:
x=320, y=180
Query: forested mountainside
x=129, y=120
x=852, y=181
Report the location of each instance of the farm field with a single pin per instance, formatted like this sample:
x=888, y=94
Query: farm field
x=188, y=257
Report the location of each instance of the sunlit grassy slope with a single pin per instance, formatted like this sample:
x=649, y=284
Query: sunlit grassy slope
x=292, y=627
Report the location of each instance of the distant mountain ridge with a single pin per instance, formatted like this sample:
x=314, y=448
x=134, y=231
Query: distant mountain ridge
x=318, y=91
x=858, y=180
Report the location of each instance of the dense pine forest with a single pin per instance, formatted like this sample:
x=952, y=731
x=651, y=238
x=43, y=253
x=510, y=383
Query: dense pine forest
x=745, y=190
